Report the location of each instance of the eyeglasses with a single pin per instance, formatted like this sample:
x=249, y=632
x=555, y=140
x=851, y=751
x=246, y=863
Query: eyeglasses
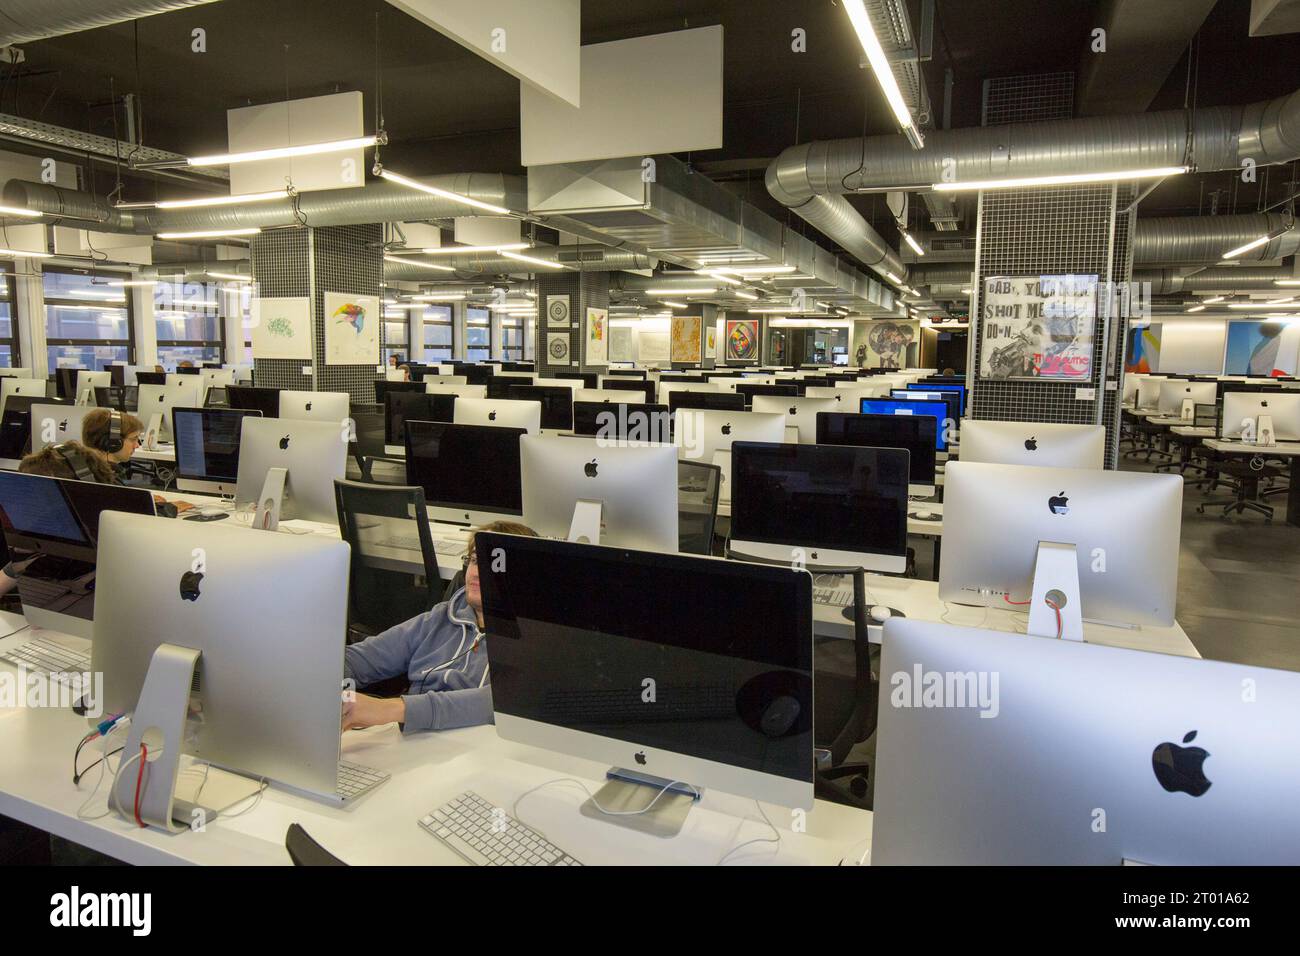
x=469, y=559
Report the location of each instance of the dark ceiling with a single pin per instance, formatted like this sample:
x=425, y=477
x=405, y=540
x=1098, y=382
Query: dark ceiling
x=447, y=109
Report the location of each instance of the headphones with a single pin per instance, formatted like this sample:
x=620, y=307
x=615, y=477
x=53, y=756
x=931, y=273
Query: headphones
x=112, y=442
x=75, y=460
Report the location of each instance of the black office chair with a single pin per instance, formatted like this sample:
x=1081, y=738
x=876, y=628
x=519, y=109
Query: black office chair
x=305, y=851
x=697, y=510
x=1243, y=476
x=373, y=520
x=845, y=708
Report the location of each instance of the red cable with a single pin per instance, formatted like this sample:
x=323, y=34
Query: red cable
x=1057, y=609
x=139, y=779
x=1007, y=598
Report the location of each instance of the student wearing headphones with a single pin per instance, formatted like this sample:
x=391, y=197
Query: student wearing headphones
x=438, y=652
x=117, y=435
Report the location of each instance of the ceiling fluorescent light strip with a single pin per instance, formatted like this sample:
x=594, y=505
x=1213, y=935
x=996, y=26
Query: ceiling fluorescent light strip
x=861, y=21
x=282, y=152
x=472, y=250
x=19, y=211
x=1253, y=244
x=916, y=246
x=24, y=254
x=209, y=234
x=442, y=193
x=544, y=263
x=1070, y=179
x=245, y=199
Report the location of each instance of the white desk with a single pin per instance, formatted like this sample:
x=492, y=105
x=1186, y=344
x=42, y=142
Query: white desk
x=380, y=828
x=165, y=452
x=1195, y=431
x=1283, y=449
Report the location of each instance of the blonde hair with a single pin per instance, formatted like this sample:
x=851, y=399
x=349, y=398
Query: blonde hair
x=501, y=527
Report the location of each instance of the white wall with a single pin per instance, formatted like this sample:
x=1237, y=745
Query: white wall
x=1190, y=346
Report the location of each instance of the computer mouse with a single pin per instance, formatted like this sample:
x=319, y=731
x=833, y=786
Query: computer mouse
x=779, y=716
x=880, y=613
x=924, y=515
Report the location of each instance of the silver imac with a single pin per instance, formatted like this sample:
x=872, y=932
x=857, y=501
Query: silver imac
x=1034, y=443
x=1241, y=412
x=55, y=424
x=1123, y=529
x=269, y=620
x=87, y=382
x=799, y=412
x=161, y=399
x=1175, y=391
x=305, y=406
x=1148, y=393
x=445, y=380
x=315, y=453
x=1056, y=753
x=617, y=396
x=667, y=386
x=700, y=432
x=635, y=487
x=493, y=411
x=460, y=391
x=34, y=387
x=207, y=448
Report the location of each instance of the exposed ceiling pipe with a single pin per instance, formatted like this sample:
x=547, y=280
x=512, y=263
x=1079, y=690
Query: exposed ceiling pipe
x=1204, y=239
x=584, y=258
x=1221, y=280
x=22, y=21
x=375, y=202
x=812, y=178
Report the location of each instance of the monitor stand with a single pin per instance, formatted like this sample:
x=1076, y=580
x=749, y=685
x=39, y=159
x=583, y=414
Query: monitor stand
x=153, y=433
x=1188, y=411
x=1056, y=579
x=1264, y=434
x=628, y=791
x=585, y=526
x=267, y=516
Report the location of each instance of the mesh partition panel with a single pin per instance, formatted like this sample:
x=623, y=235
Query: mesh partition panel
x=585, y=290
x=281, y=260
x=1028, y=99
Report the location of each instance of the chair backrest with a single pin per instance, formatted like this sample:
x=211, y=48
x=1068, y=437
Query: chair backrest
x=699, y=485
x=387, y=528
x=1206, y=416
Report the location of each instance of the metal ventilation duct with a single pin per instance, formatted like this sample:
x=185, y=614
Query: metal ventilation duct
x=1203, y=239
x=22, y=21
x=1221, y=280
x=585, y=258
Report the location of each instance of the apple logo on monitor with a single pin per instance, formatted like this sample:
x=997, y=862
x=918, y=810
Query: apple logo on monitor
x=1264, y=403
x=726, y=429
x=492, y=415
x=794, y=410
x=284, y=443
x=1178, y=769
x=190, y=585
x=1059, y=504
x=1031, y=443
x=63, y=425
x=308, y=406
x=639, y=757
x=590, y=468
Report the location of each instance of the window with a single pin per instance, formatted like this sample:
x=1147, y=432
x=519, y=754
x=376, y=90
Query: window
x=439, y=337
x=87, y=321
x=396, y=335
x=188, y=317
x=530, y=337
x=9, y=356
x=512, y=338
x=478, y=335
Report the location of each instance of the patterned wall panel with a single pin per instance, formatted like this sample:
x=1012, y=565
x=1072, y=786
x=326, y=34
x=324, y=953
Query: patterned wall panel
x=584, y=289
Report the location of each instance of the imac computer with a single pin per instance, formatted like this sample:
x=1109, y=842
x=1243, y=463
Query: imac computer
x=400, y=407
x=622, y=373
x=898, y=406
x=124, y=398
x=585, y=489
x=503, y=412
x=51, y=527
x=1069, y=544
x=699, y=434
x=668, y=386
x=1249, y=416
x=585, y=379
x=87, y=382
x=461, y=391
x=16, y=427
x=727, y=643
x=912, y=432
x=160, y=400
x=1186, y=773
x=924, y=386
x=314, y=454
x=332, y=407
x=951, y=399
x=646, y=388
x=800, y=412
x=750, y=388
x=443, y=380
x=724, y=401
x=255, y=398
x=31, y=387
x=469, y=473
x=623, y=421
x=1034, y=443
x=1179, y=398
x=383, y=389
x=615, y=395
x=216, y=378
x=1148, y=393
x=150, y=377
x=55, y=424
x=556, y=402
x=841, y=505
x=207, y=448
x=251, y=639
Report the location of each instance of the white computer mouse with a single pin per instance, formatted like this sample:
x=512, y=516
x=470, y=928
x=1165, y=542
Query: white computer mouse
x=880, y=613
x=924, y=515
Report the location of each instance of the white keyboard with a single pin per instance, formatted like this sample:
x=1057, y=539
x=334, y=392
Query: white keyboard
x=454, y=546
x=61, y=663
x=841, y=596
x=486, y=836
x=354, y=779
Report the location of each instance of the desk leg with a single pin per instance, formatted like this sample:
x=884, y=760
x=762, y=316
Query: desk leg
x=1293, y=496
x=938, y=543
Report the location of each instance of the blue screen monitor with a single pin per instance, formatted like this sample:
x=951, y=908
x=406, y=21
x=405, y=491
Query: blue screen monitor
x=903, y=406
x=941, y=387
x=951, y=399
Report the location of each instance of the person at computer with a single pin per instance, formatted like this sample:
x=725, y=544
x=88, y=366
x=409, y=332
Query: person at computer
x=97, y=433
x=439, y=651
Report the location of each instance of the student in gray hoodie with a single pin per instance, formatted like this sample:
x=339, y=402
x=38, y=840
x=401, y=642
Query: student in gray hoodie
x=440, y=652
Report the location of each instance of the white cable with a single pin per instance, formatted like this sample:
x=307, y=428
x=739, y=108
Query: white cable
x=99, y=781
x=261, y=790
x=739, y=846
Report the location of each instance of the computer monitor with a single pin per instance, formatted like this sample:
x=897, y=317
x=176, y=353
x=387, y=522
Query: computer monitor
x=150, y=378
x=32, y=387
x=699, y=433
x=256, y=398
x=623, y=421
x=400, y=407
x=839, y=505
x=1241, y=412
x=474, y=374
x=614, y=395
x=382, y=389
x=160, y=400
x=636, y=487
x=1148, y=393
x=125, y=398
x=623, y=373
x=912, y=432
x=51, y=527
x=588, y=379
x=207, y=448
x=800, y=412
x=1131, y=381
x=926, y=386
x=443, y=380
x=750, y=389
x=268, y=621
x=216, y=398
x=667, y=386
x=314, y=453
x=314, y=406
x=216, y=378
x=1034, y=443
x=469, y=473
x=16, y=427
x=951, y=399
x=556, y=402
x=65, y=383
x=55, y=424
x=647, y=389
x=1173, y=392
x=461, y=391
x=188, y=370
x=1124, y=527
x=1185, y=772
x=511, y=414
x=87, y=381
x=717, y=400
x=898, y=406
x=730, y=655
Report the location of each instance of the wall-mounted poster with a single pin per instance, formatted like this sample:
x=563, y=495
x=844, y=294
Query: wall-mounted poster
x=557, y=348
x=351, y=329
x=557, y=311
x=281, y=328
x=742, y=340
x=886, y=343
x=653, y=346
x=1261, y=348
x=711, y=342
x=1038, y=327
x=620, y=344
x=686, y=332
x=1142, y=354
x=597, y=336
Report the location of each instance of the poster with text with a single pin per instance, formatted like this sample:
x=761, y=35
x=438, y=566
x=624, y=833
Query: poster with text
x=597, y=336
x=886, y=343
x=281, y=328
x=686, y=332
x=1038, y=327
x=1261, y=348
x=742, y=340
x=351, y=329
x=1142, y=355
